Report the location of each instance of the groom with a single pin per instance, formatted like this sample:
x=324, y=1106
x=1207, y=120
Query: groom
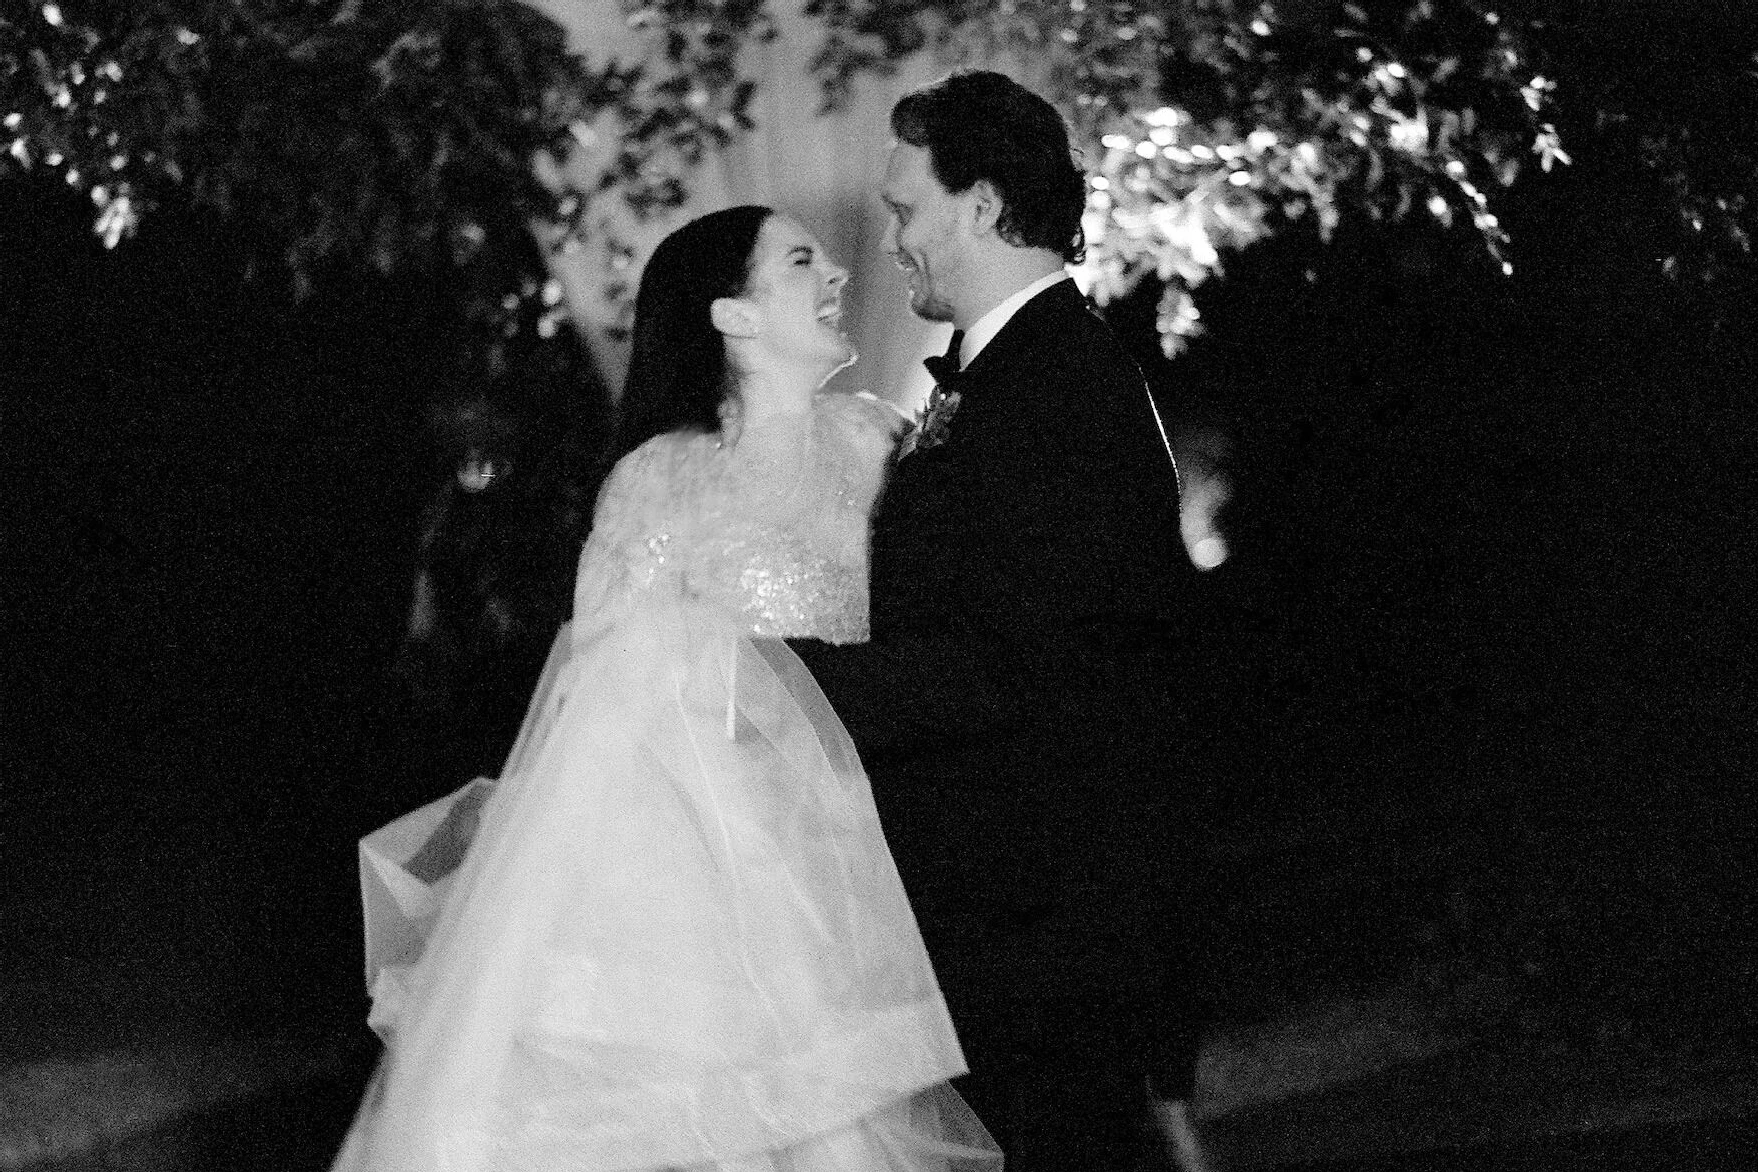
x=1015, y=705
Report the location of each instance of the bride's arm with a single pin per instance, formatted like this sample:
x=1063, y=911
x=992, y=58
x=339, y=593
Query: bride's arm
x=625, y=554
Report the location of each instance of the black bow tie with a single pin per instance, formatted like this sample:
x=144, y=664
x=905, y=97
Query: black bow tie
x=945, y=367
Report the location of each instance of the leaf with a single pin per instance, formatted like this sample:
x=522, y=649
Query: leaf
x=46, y=79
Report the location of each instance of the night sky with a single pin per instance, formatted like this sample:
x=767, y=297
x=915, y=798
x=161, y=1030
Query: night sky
x=1477, y=680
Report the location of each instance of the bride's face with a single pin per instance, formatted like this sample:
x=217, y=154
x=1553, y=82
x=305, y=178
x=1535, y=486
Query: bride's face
x=795, y=293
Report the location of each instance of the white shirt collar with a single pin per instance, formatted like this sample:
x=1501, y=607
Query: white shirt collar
x=987, y=326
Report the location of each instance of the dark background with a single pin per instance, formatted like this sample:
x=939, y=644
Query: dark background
x=1471, y=704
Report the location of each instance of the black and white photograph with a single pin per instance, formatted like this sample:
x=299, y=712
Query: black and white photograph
x=879, y=585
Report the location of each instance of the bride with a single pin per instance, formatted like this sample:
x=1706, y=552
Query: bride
x=676, y=939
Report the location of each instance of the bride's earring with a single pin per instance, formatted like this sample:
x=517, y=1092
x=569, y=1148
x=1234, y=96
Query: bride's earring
x=732, y=415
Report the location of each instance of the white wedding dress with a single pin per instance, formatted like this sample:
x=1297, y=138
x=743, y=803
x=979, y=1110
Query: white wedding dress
x=677, y=939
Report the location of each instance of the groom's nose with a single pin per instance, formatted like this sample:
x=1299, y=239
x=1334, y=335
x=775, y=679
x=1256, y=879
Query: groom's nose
x=837, y=277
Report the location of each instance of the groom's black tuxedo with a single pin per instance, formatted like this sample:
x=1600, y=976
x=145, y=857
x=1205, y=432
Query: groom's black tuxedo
x=1015, y=705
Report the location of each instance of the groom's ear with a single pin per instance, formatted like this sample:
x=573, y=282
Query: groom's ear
x=985, y=207
x=733, y=316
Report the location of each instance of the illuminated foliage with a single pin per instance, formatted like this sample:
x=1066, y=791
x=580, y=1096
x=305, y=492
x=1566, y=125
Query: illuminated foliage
x=402, y=134
x=1426, y=113
x=103, y=105
x=1706, y=159
x=1208, y=123
x=395, y=134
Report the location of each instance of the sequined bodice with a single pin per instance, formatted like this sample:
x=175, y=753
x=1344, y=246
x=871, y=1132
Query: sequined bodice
x=771, y=527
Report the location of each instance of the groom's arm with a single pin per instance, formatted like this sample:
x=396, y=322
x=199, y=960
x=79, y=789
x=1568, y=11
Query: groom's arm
x=1032, y=630
x=915, y=691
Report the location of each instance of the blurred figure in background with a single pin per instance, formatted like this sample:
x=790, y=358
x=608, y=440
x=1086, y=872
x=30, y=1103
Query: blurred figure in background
x=495, y=565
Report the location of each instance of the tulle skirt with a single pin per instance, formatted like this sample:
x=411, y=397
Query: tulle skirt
x=676, y=939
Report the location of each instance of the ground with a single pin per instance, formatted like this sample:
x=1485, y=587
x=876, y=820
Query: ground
x=1363, y=1082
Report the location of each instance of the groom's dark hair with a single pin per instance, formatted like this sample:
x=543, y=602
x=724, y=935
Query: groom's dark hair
x=977, y=124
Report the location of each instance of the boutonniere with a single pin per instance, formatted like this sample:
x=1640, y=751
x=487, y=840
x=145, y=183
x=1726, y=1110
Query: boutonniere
x=933, y=424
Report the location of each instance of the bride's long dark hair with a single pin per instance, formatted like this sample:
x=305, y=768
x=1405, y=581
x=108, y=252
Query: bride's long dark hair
x=678, y=373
